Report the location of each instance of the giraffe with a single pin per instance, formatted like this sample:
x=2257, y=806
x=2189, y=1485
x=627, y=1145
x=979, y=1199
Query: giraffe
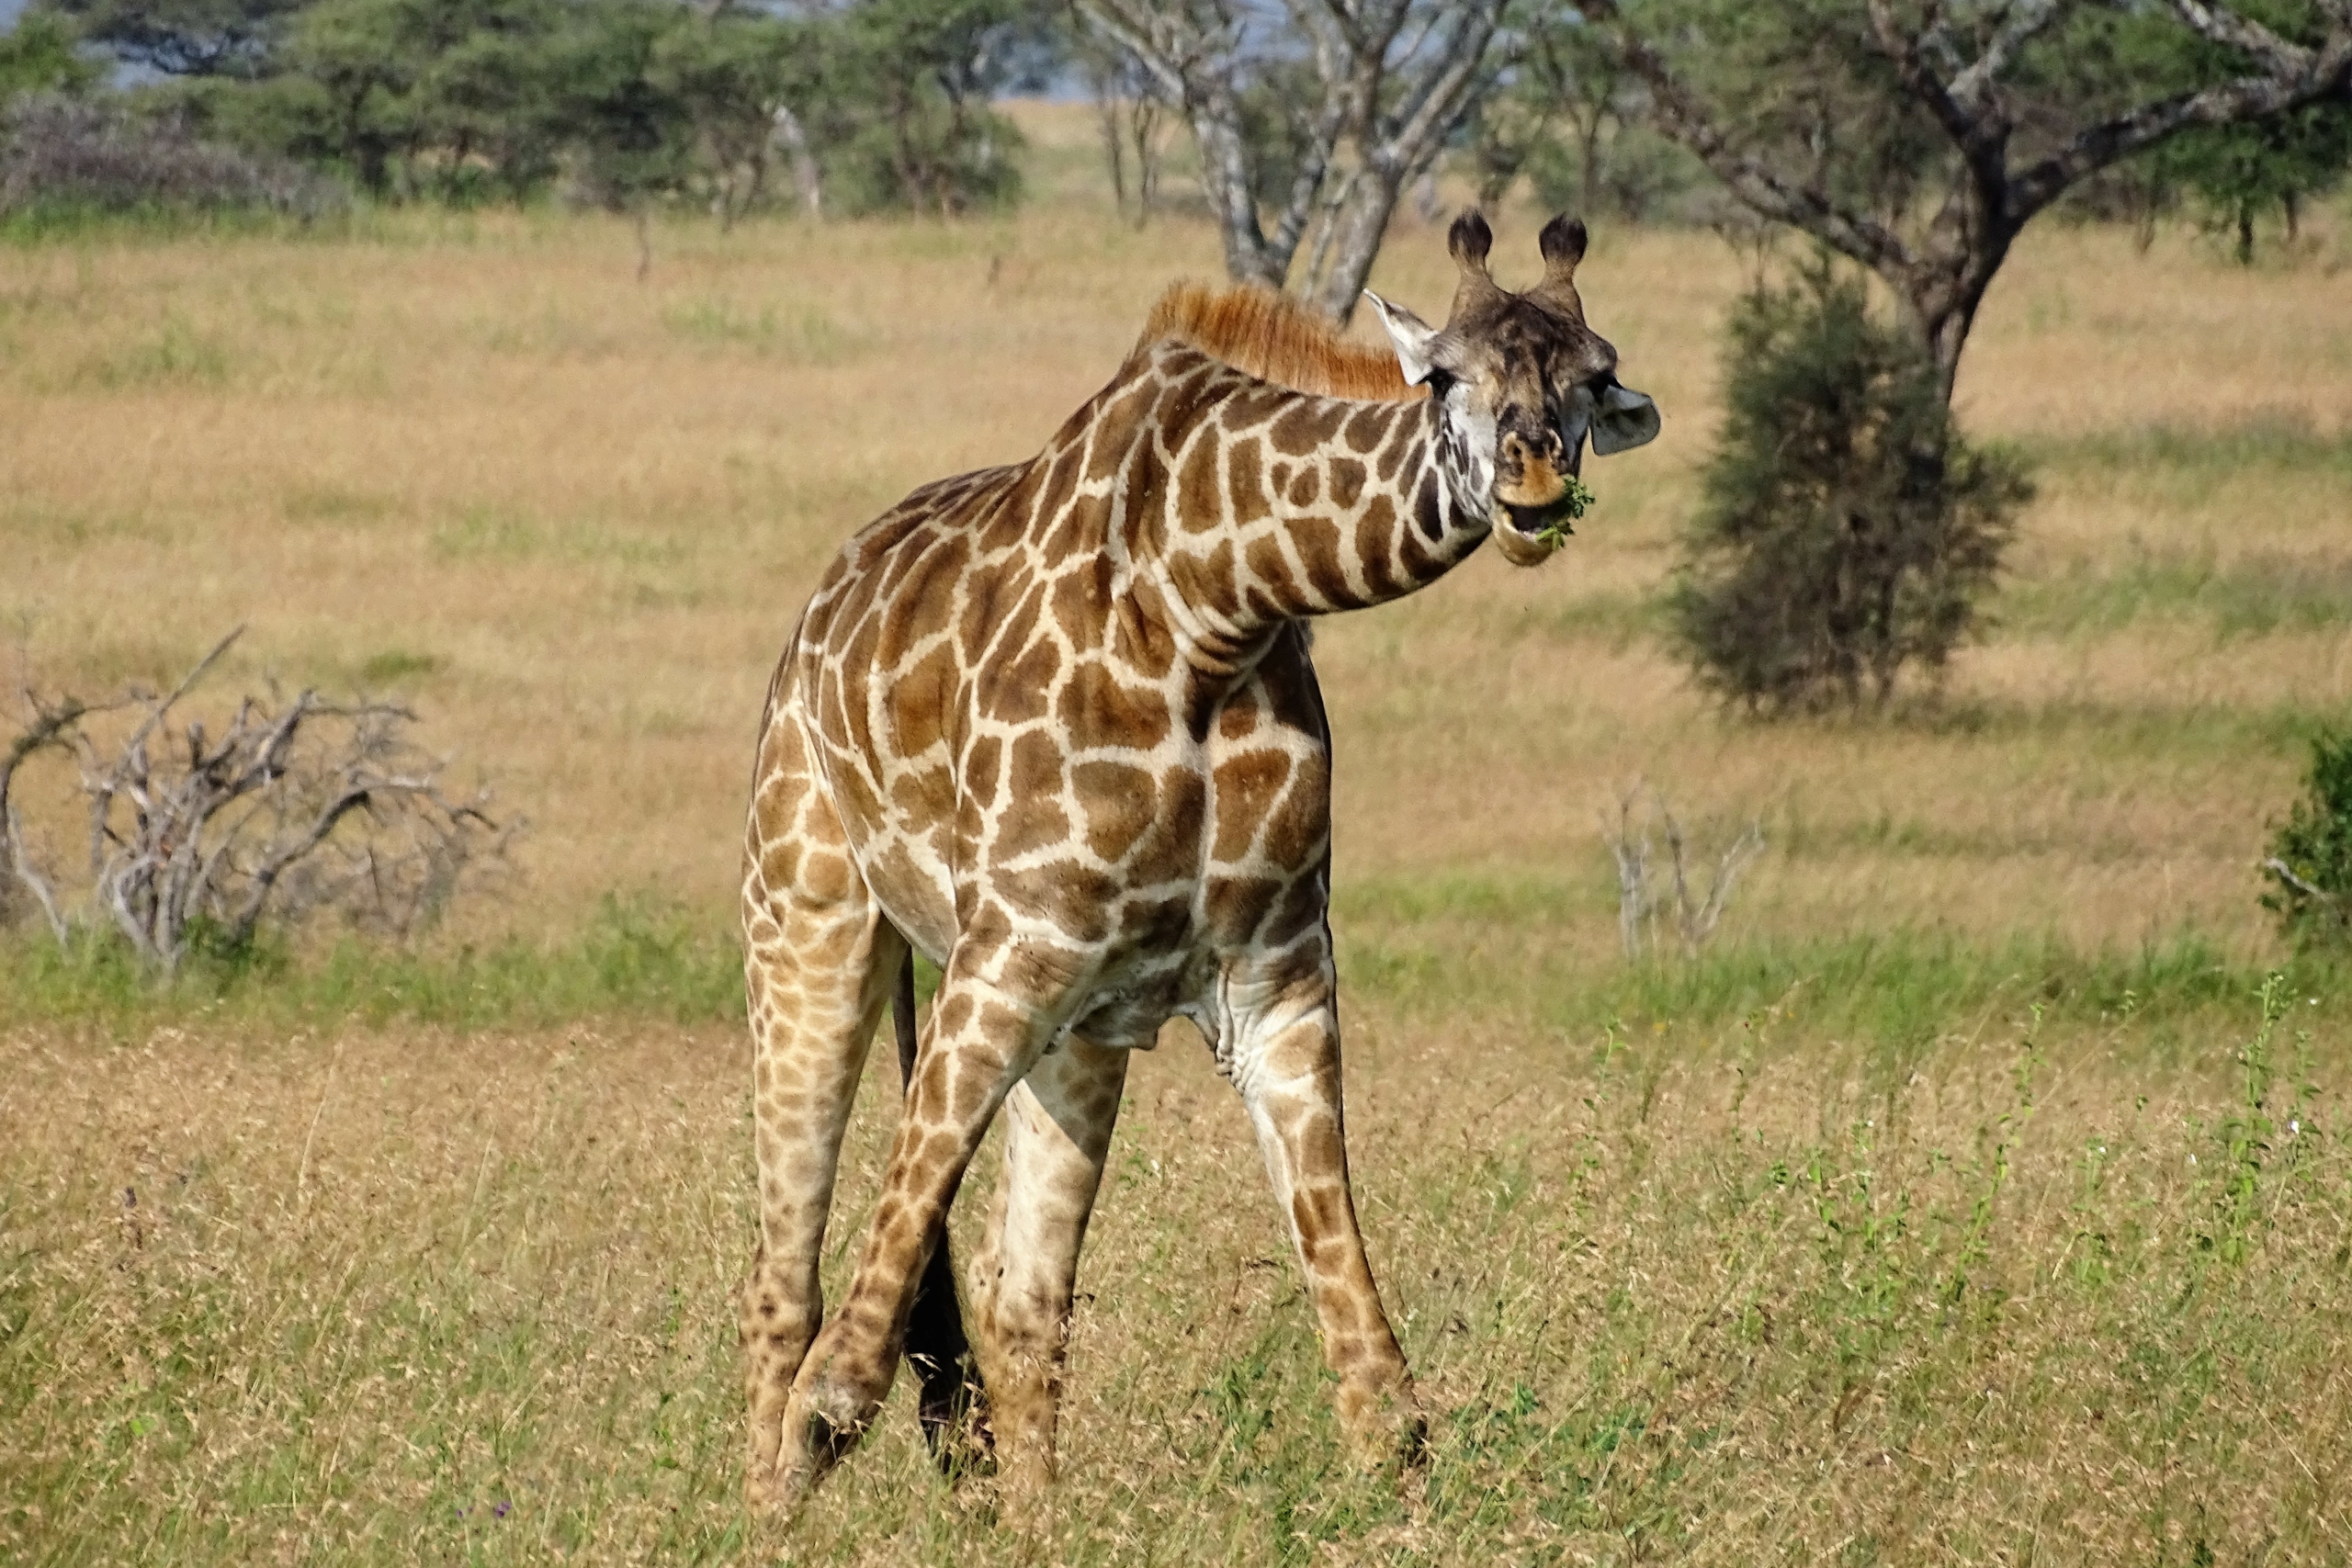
x=1055, y=726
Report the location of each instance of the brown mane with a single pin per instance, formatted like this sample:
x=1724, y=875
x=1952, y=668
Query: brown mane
x=1274, y=338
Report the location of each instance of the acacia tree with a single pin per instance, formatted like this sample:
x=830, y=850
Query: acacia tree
x=186, y=38
x=2237, y=173
x=1919, y=137
x=1388, y=82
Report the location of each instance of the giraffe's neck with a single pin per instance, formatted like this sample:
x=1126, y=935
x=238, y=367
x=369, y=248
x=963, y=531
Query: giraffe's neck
x=1276, y=505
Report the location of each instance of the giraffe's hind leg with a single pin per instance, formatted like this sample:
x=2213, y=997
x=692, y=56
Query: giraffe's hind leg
x=953, y=1406
x=980, y=1039
x=818, y=963
x=1058, y=1123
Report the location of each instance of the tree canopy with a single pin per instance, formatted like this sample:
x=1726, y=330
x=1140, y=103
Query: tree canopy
x=614, y=101
x=1919, y=137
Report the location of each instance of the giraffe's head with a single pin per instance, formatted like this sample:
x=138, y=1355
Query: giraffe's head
x=1524, y=383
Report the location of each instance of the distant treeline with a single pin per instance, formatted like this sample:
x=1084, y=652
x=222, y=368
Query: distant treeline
x=856, y=108
x=1310, y=121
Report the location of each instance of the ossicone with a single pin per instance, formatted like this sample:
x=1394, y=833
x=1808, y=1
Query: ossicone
x=1562, y=243
x=1469, y=240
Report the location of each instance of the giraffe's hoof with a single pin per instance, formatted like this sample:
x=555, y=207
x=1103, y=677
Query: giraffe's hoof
x=1385, y=1427
x=821, y=1425
x=773, y=1494
x=1022, y=1480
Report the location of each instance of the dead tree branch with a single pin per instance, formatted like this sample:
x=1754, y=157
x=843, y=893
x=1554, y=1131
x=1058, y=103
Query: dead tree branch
x=291, y=810
x=54, y=727
x=2286, y=874
x=1645, y=892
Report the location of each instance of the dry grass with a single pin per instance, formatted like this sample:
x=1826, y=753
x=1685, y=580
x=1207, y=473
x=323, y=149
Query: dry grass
x=470, y=458
x=400, y=1297
x=1688, y=1295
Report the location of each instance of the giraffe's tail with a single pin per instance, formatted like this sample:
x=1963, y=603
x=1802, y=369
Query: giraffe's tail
x=952, y=1407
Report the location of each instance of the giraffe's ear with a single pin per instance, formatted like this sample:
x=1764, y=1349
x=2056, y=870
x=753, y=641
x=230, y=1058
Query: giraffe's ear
x=1415, y=339
x=1624, y=420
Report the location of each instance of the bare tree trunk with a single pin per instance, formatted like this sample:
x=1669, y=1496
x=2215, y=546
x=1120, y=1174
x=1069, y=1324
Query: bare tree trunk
x=1589, y=154
x=1357, y=229
x=724, y=201
x=1106, y=115
x=1397, y=113
x=1427, y=205
x=795, y=143
x=1143, y=125
x=1225, y=172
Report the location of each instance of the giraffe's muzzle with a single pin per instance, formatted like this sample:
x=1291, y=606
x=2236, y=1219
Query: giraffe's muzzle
x=1533, y=471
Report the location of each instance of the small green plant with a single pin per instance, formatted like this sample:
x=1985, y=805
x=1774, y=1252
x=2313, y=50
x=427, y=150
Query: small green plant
x=2309, y=863
x=1575, y=504
x=2249, y=1136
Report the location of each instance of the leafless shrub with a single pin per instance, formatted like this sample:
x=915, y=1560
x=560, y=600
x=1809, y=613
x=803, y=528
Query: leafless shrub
x=1647, y=892
x=293, y=809
x=80, y=153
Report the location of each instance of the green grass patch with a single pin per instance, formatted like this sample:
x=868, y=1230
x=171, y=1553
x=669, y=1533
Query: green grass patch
x=1462, y=947
x=2249, y=597
x=332, y=504
x=176, y=355
x=75, y=223
x=2284, y=440
x=2103, y=728
x=1493, y=953
x=486, y=534
x=1515, y=899
x=398, y=664
x=633, y=958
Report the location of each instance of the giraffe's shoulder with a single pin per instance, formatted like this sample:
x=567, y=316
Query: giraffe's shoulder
x=942, y=505
x=946, y=500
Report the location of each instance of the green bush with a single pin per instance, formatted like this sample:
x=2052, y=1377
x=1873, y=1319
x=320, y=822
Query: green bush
x=2310, y=865
x=77, y=156
x=930, y=157
x=1845, y=529
x=37, y=55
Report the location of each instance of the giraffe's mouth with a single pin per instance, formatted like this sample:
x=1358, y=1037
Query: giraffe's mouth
x=1529, y=535
x=1552, y=517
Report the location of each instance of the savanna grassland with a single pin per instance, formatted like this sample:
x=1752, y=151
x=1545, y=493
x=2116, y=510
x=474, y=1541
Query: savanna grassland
x=1970, y=1200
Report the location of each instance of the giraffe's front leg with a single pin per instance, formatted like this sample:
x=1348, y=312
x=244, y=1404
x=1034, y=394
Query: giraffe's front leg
x=1287, y=1068
x=1058, y=1130
x=978, y=1042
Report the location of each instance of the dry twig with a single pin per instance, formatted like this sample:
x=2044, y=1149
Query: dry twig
x=1643, y=895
